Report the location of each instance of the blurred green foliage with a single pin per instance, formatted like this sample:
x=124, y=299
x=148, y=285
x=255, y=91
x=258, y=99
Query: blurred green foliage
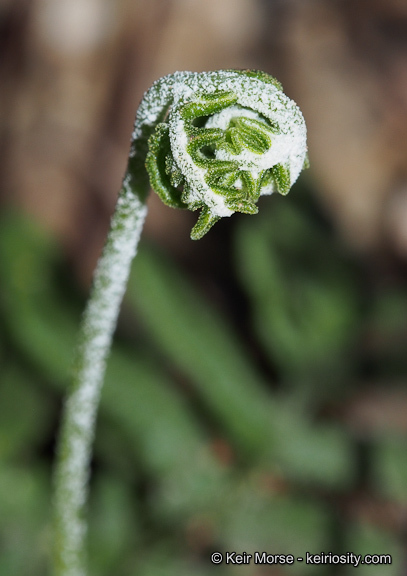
x=209, y=437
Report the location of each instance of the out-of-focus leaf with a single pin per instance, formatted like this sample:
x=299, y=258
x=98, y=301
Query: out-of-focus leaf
x=39, y=323
x=313, y=452
x=113, y=531
x=24, y=414
x=188, y=331
x=187, y=481
x=390, y=467
x=24, y=511
x=301, y=294
x=163, y=560
x=386, y=332
x=276, y=525
x=169, y=443
x=200, y=343
x=366, y=539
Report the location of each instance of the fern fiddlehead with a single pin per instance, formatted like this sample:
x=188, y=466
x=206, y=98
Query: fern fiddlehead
x=226, y=138
x=214, y=141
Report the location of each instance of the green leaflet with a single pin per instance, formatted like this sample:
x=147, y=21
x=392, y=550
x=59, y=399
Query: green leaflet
x=162, y=169
x=207, y=104
x=200, y=139
x=204, y=224
x=247, y=133
x=281, y=176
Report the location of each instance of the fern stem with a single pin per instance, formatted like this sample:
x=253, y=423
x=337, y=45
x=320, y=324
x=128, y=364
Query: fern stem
x=261, y=140
x=79, y=417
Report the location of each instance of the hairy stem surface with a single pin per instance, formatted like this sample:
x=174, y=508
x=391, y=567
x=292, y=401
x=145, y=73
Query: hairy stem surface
x=79, y=417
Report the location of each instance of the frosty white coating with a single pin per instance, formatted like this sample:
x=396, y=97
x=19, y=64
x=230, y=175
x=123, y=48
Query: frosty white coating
x=98, y=324
x=255, y=99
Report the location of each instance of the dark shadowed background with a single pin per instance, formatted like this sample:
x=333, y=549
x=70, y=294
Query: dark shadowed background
x=256, y=396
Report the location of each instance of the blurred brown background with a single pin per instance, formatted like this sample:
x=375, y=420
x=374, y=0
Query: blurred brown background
x=73, y=72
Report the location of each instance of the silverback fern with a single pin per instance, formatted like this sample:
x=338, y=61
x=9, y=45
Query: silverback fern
x=213, y=141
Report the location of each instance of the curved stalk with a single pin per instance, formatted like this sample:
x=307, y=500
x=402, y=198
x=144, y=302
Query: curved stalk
x=78, y=424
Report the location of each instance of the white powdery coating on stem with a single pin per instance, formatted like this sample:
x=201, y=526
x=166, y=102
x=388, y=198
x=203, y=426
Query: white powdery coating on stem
x=99, y=322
